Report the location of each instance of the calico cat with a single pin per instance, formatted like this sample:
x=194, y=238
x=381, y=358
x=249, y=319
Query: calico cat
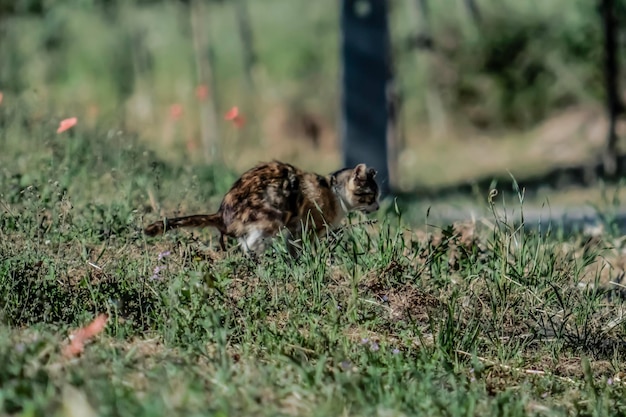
x=276, y=198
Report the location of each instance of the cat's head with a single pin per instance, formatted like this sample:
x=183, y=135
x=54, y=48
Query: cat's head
x=359, y=188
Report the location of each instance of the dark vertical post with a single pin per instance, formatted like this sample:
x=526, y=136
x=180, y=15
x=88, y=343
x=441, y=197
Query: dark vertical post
x=611, y=68
x=365, y=78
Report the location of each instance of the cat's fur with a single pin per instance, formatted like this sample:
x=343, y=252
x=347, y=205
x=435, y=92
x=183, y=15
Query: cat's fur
x=274, y=198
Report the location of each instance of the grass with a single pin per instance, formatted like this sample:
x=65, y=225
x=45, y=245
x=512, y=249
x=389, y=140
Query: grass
x=389, y=319
x=384, y=319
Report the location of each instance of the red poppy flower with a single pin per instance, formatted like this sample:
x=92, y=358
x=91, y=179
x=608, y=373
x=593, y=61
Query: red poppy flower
x=81, y=336
x=235, y=117
x=176, y=111
x=67, y=124
x=202, y=92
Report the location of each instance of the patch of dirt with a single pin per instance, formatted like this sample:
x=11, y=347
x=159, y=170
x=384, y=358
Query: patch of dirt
x=583, y=127
x=405, y=302
x=569, y=366
x=608, y=269
x=571, y=138
x=456, y=242
x=411, y=303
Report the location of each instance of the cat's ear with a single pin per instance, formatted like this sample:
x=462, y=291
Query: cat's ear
x=371, y=173
x=359, y=172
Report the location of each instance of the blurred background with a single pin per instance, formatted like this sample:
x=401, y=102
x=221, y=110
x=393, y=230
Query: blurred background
x=483, y=88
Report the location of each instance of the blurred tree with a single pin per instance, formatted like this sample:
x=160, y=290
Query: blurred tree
x=424, y=37
x=11, y=70
x=611, y=73
x=247, y=41
x=366, y=86
x=424, y=45
x=205, y=73
x=473, y=10
x=11, y=7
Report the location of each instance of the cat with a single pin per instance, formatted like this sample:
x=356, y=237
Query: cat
x=276, y=198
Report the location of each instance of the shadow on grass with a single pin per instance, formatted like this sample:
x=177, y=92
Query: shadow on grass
x=470, y=198
x=584, y=175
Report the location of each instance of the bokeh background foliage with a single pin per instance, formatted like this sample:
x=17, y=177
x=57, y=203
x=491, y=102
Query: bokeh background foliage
x=497, y=74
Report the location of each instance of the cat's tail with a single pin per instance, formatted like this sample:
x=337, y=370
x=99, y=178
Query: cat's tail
x=197, y=220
